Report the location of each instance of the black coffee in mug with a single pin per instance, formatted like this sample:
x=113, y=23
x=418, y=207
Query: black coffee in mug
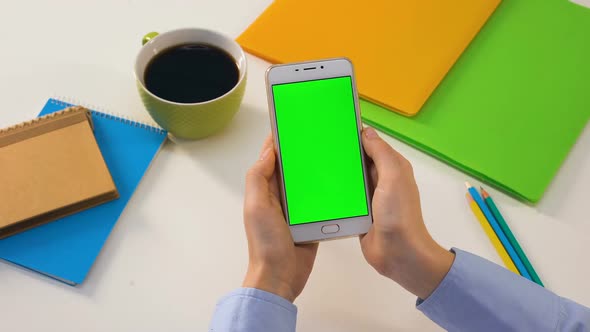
x=191, y=73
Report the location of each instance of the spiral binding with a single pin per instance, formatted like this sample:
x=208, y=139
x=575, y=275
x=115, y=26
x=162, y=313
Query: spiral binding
x=37, y=120
x=100, y=112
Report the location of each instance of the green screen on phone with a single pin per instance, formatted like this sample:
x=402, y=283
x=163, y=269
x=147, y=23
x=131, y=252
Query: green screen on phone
x=320, y=150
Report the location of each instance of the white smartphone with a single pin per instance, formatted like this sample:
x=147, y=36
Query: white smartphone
x=316, y=124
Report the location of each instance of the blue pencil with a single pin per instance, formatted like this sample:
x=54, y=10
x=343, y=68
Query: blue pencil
x=496, y=227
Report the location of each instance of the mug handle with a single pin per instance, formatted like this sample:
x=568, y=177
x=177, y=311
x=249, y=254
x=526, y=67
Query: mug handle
x=148, y=37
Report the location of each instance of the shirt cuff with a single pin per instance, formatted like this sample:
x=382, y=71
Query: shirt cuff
x=256, y=294
x=251, y=309
x=431, y=303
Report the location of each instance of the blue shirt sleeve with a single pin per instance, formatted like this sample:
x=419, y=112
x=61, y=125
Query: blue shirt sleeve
x=478, y=295
x=250, y=309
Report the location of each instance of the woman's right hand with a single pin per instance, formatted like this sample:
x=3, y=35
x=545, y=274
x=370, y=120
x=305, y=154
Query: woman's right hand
x=398, y=244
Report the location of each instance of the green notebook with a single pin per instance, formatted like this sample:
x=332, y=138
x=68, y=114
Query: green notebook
x=515, y=102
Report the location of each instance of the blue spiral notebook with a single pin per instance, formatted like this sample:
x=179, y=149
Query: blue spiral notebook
x=66, y=249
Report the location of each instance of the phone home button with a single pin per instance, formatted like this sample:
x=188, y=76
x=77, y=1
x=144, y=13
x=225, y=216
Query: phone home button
x=330, y=229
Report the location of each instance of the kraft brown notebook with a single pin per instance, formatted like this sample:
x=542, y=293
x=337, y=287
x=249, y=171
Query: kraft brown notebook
x=50, y=167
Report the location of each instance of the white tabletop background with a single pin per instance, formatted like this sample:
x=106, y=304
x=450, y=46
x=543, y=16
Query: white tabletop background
x=179, y=245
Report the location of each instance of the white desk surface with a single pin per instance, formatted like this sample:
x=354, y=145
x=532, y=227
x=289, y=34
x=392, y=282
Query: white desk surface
x=179, y=244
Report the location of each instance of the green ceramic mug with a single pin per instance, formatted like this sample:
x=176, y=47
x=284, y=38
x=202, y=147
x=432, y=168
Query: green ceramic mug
x=194, y=120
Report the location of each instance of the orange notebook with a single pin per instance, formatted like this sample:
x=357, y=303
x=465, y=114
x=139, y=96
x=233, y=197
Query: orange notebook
x=401, y=50
x=50, y=167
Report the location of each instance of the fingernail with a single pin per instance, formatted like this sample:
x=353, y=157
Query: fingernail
x=264, y=154
x=370, y=133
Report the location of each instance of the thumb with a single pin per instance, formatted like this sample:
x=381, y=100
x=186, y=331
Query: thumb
x=391, y=168
x=387, y=161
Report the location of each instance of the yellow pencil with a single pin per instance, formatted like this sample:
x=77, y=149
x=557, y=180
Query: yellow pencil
x=493, y=238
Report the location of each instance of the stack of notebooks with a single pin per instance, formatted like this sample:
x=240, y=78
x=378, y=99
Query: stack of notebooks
x=57, y=218
x=498, y=90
